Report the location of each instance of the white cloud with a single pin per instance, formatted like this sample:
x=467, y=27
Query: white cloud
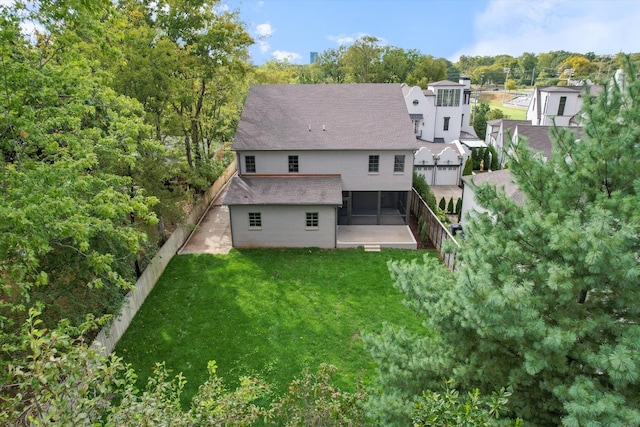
x=348, y=39
x=264, y=30
x=263, y=46
x=517, y=26
x=282, y=55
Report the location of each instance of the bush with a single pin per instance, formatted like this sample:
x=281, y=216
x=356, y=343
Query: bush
x=443, y=204
x=450, y=206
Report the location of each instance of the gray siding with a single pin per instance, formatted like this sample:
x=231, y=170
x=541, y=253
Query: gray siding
x=283, y=226
x=353, y=166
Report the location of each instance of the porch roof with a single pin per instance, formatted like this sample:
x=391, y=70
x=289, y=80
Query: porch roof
x=285, y=190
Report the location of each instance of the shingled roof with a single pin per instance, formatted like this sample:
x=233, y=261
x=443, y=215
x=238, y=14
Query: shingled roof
x=285, y=190
x=501, y=179
x=325, y=117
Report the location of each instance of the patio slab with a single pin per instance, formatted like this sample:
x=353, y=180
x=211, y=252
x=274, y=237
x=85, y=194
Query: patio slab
x=386, y=236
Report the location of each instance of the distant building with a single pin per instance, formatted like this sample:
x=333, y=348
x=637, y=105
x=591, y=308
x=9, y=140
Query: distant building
x=440, y=116
x=313, y=57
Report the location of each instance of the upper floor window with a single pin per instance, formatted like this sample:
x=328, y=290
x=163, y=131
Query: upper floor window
x=563, y=102
x=416, y=127
x=448, y=98
x=312, y=219
x=255, y=220
x=250, y=164
x=446, y=123
x=374, y=164
x=398, y=163
x=293, y=163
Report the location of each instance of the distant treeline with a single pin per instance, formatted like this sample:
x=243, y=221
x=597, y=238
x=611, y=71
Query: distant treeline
x=368, y=61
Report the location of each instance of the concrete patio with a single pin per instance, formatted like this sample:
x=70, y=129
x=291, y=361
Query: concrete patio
x=384, y=236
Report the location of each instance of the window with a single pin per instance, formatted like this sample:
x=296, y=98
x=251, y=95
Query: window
x=563, y=102
x=255, y=220
x=374, y=164
x=448, y=98
x=446, y=123
x=398, y=163
x=293, y=163
x=416, y=127
x=312, y=219
x=250, y=164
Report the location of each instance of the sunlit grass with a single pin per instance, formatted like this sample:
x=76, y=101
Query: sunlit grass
x=267, y=312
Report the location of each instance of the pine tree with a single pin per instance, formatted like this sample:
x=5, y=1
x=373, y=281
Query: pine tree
x=545, y=298
x=450, y=206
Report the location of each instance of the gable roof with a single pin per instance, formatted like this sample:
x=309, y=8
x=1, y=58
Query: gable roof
x=285, y=190
x=325, y=117
x=539, y=137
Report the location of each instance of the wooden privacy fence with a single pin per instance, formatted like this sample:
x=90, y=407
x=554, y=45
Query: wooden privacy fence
x=109, y=336
x=437, y=232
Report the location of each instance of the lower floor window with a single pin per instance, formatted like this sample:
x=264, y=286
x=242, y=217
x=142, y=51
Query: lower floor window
x=255, y=220
x=312, y=219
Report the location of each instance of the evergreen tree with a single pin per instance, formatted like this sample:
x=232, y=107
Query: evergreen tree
x=450, y=206
x=495, y=162
x=545, y=298
x=443, y=204
x=468, y=167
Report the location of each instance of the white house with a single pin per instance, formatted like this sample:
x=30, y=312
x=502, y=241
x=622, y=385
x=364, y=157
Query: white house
x=314, y=157
x=441, y=112
x=440, y=116
x=558, y=104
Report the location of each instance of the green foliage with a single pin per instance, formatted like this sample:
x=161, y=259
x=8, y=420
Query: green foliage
x=449, y=408
x=468, y=167
x=443, y=204
x=73, y=215
x=545, y=296
x=486, y=157
x=313, y=401
x=495, y=161
x=56, y=379
x=450, y=206
x=480, y=119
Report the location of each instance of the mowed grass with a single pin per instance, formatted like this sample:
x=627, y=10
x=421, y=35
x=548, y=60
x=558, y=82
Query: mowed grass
x=267, y=312
x=495, y=101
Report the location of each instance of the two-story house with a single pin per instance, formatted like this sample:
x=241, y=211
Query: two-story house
x=314, y=158
x=440, y=115
x=549, y=106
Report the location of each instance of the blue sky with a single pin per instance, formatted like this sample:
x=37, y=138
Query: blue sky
x=291, y=29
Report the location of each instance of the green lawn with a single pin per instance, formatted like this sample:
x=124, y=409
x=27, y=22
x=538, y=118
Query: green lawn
x=267, y=312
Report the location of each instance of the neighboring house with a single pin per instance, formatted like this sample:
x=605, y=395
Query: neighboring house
x=441, y=112
x=549, y=106
x=501, y=179
x=559, y=105
x=314, y=157
x=440, y=116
